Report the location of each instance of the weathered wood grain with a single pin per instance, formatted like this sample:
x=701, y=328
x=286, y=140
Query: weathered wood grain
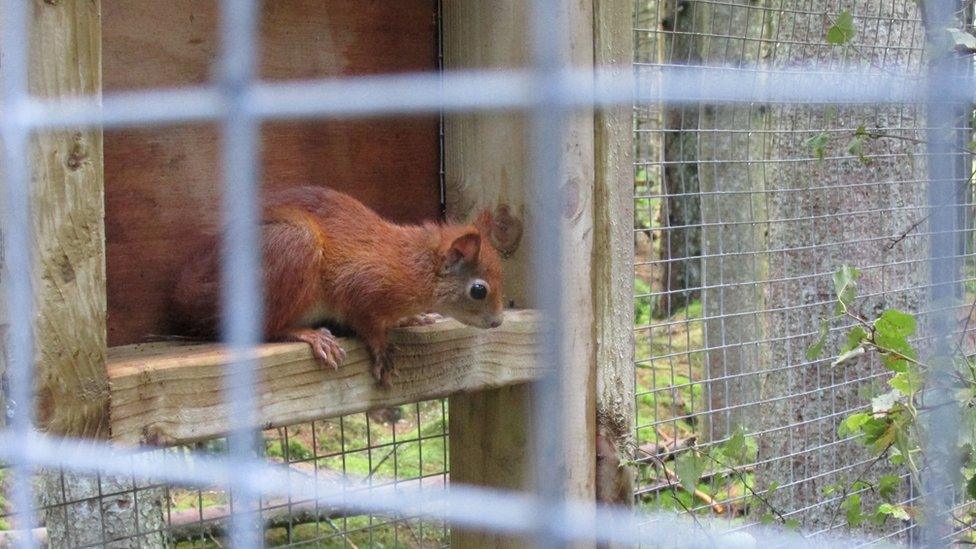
x=170, y=393
x=66, y=171
x=487, y=165
x=613, y=261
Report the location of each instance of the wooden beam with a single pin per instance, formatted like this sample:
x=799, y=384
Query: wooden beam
x=67, y=178
x=69, y=232
x=613, y=260
x=171, y=393
x=486, y=165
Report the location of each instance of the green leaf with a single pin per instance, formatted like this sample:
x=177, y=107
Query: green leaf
x=887, y=486
x=843, y=30
x=689, y=468
x=877, y=431
x=855, y=337
x=852, y=509
x=735, y=448
x=896, y=322
x=971, y=488
x=895, y=511
x=853, y=423
x=891, y=332
x=818, y=144
x=815, y=350
x=792, y=524
x=908, y=382
x=845, y=286
x=767, y=519
x=856, y=148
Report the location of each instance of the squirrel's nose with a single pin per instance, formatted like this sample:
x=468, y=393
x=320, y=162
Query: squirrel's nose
x=496, y=323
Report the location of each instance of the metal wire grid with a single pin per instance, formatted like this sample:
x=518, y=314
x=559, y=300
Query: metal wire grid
x=405, y=446
x=240, y=106
x=727, y=199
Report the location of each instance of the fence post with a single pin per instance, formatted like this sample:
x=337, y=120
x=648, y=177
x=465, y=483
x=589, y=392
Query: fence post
x=613, y=259
x=486, y=165
x=69, y=238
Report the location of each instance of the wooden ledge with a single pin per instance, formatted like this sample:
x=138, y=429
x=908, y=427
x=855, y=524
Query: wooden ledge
x=171, y=393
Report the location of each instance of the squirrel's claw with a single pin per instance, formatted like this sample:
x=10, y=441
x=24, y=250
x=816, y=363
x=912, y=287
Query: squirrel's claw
x=325, y=346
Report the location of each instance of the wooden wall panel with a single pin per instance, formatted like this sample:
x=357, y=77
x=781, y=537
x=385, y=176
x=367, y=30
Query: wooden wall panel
x=162, y=184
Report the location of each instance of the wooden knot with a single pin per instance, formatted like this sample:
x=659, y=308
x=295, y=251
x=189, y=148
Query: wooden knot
x=506, y=231
x=78, y=154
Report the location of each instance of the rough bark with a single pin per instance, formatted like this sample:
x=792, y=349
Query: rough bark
x=730, y=148
x=678, y=277
x=822, y=213
x=613, y=262
x=92, y=510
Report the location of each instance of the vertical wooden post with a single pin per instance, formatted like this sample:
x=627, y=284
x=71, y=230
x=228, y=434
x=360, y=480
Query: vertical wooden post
x=613, y=259
x=487, y=166
x=69, y=235
x=72, y=384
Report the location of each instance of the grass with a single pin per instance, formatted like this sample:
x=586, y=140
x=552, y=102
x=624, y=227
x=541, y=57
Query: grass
x=412, y=446
x=670, y=392
x=669, y=370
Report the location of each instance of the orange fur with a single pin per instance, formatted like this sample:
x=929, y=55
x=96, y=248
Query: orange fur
x=322, y=248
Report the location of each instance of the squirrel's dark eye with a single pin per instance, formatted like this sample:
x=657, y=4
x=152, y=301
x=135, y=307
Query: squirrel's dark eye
x=478, y=291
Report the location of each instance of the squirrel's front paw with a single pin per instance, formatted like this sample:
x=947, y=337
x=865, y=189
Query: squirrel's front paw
x=384, y=369
x=325, y=346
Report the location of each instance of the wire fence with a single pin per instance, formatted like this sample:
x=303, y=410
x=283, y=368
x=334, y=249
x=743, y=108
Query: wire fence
x=744, y=211
x=750, y=191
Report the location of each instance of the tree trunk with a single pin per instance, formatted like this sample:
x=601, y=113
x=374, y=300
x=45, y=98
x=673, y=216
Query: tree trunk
x=823, y=213
x=679, y=264
x=94, y=510
x=732, y=229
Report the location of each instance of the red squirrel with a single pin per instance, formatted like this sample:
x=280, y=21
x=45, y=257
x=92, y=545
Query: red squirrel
x=327, y=258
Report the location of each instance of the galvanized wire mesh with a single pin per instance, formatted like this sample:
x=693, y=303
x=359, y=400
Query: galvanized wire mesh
x=743, y=212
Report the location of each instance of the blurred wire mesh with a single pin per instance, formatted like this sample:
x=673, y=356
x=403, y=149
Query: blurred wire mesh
x=405, y=446
x=743, y=213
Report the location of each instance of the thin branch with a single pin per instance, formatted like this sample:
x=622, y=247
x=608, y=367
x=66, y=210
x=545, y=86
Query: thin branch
x=717, y=507
x=751, y=490
x=860, y=478
x=904, y=235
x=674, y=494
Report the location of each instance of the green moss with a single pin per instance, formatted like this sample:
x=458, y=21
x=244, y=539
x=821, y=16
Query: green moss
x=296, y=450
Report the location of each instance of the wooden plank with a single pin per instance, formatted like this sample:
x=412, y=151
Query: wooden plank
x=162, y=184
x=68, y=197
x=487, y=165
x=171, y=393
x=65, y=50
x=613, y=261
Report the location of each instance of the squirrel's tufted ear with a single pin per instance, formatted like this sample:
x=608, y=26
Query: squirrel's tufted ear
x=464, y=248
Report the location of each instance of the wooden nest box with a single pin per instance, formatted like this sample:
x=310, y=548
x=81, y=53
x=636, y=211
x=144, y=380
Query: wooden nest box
x=115, y=210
